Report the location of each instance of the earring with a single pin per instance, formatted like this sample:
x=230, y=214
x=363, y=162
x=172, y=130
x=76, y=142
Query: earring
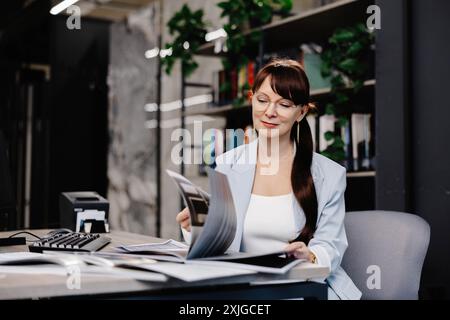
x=298, y=131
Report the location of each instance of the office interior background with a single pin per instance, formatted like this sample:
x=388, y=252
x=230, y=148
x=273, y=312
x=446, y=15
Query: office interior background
x=94, y=108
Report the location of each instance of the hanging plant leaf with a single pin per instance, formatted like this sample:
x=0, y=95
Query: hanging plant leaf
x=357, y=85
x=341, y=98
x=355, y=48
x=330, y=109
x=337, y=81
x=342, y=35
x=329, y=135
x=342, y=121
x=186, y=26
x=348, y=65
x=242, y=14
x=344, y=58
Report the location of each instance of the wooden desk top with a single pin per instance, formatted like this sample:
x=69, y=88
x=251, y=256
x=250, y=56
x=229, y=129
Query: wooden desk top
x=27, y=286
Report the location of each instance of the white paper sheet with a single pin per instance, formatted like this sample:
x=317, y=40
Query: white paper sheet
x=191, y=272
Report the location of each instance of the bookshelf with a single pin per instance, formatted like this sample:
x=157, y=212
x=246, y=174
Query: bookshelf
x=318, y=94
x=360, y=174
x=320, y=24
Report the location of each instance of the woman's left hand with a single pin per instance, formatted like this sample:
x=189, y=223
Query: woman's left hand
x=299, y=250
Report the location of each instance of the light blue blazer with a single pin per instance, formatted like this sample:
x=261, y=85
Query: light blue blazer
x=329, y=242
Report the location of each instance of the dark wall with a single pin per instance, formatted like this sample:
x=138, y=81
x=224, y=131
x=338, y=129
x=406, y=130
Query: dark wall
x=430, y=85
x=79, y=136
x=24, y=44
x=392, y=107
x=413, y=111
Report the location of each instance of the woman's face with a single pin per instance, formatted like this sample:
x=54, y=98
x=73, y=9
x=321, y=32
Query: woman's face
x=273, y=115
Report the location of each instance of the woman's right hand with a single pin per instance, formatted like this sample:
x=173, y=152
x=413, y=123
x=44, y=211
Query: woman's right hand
x=184, y=219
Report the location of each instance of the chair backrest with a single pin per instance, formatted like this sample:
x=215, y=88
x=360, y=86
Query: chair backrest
x=388, y=247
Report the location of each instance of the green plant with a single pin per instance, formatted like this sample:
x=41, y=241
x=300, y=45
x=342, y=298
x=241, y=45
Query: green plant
x=282, y=7
x=243, y=14
x=189, y=30
x=345, y=61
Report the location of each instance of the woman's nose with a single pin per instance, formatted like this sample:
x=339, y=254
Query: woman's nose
x=271, y=110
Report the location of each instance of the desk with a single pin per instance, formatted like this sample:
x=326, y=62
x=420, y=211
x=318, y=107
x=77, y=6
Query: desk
x=257, y=286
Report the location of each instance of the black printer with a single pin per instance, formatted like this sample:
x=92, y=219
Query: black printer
x=84, y=211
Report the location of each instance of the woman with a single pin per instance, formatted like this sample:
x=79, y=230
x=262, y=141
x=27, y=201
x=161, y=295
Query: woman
x=298, y=203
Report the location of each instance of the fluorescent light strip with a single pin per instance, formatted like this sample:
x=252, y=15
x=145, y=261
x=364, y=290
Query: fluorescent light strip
x=195, y=100
x=165, y=52
x=176, y=123
x=170, y=106
x=62, y=6
x=174, y=105
x=151, y=107
x=216, y=34
x=152, y=53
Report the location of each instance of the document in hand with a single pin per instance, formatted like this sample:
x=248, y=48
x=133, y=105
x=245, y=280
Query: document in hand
x=213, y=218
x=213, y=228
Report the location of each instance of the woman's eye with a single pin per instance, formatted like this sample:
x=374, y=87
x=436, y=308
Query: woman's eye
x=285, y=105
x=262, y=101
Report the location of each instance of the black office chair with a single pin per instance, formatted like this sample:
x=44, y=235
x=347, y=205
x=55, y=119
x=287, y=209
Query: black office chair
x=7, y=203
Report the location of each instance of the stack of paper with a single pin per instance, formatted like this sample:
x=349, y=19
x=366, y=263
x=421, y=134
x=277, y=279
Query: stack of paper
x=59, y=263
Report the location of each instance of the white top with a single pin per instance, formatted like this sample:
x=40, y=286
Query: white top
x=270, y=223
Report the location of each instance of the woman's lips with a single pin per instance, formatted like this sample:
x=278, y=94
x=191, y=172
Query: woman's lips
x=269, y=125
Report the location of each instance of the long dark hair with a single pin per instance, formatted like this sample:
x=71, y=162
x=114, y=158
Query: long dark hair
x=289, y=80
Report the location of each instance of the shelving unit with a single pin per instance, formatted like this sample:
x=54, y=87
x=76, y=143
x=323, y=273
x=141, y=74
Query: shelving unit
x=319, y=23
x=315, y=25
x=360, y=174
x=317, y=94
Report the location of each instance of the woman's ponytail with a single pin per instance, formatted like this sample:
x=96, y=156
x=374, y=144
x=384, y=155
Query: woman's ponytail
x=301, y=178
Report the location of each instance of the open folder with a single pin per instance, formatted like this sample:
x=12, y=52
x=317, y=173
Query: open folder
x=213, y=228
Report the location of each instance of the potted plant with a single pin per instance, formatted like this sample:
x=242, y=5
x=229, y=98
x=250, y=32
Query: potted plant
x=243, y=15
x=189, y=30
x=345, y=61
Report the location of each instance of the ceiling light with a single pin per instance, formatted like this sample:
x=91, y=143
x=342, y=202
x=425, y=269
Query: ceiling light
x=62, y=6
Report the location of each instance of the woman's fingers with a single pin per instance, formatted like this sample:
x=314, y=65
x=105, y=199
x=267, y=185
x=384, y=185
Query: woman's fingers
x=297, y=249
x=183, y=215
x=184, y=219
x=294, y=246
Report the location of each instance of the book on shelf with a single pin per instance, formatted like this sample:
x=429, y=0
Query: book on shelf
x=251, y=68
x=312, y=62
x=241, y=81
x=213, y=228
x=362, y=153
x=294, y=53
x=346, y=138
x=308, y=55
x=356, y=136
x=232, y=84
x=326, y=123
x=221, y=88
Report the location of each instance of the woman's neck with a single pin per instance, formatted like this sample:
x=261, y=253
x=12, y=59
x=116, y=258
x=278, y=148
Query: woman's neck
x=285, y=148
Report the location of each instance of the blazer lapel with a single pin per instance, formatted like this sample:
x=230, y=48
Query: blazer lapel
x=318, y=178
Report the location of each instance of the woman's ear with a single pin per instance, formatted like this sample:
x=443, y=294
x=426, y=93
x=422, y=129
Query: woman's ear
x=303, y=113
